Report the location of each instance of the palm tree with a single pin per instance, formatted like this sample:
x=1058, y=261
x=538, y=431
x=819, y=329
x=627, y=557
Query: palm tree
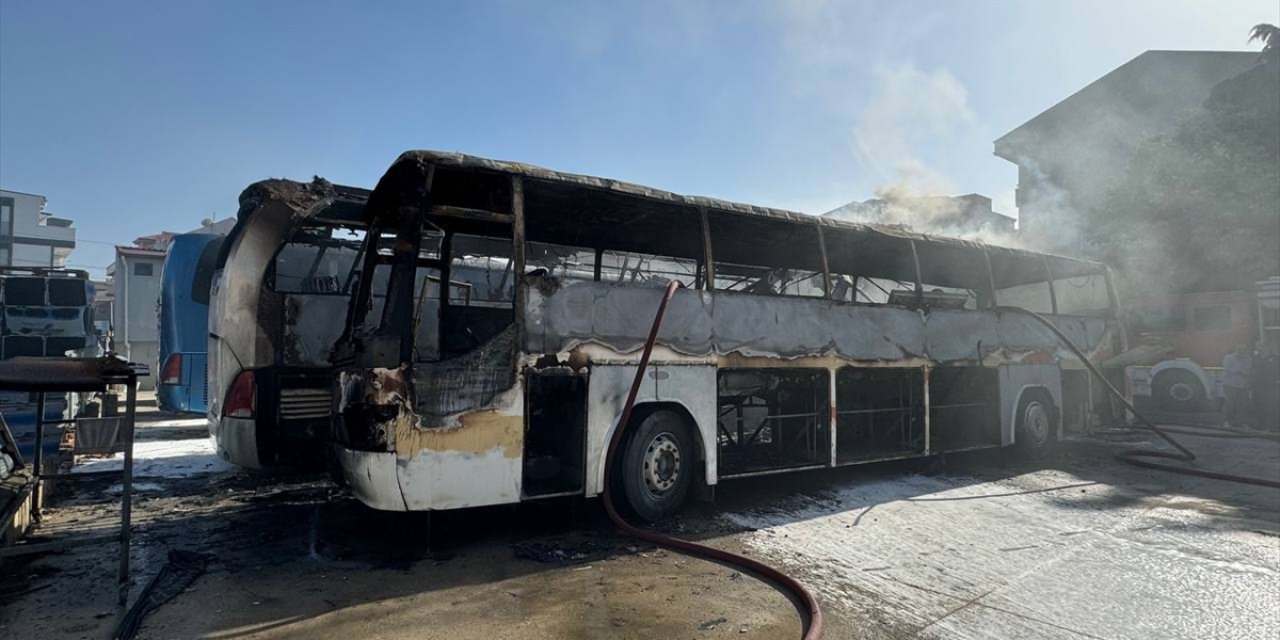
x=1269, y=35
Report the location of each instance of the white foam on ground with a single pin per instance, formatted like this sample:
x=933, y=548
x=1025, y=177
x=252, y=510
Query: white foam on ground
x=1047, y=554
x=164, y=459
x=172, y=422
x=138, y=487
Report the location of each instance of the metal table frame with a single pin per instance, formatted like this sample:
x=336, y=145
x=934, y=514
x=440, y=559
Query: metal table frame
x=55, y=375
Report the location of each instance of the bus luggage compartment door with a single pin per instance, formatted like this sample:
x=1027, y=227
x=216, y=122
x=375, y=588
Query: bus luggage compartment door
x=555, y=433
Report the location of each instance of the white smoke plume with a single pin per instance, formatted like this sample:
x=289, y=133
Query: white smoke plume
x=909, y=110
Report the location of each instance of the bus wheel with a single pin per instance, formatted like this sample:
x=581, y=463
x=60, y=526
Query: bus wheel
x=1037, y=426
x=1177, y=390
x=657, y=465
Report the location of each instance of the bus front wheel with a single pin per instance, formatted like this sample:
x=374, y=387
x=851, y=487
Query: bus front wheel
x=1037, y=425
x=657, y=465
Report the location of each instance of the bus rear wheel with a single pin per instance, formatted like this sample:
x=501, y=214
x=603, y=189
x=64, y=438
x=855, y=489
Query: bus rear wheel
x=657, y=465
x=1036, y=424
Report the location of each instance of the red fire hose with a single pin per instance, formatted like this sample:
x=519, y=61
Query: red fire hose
x=806, y=605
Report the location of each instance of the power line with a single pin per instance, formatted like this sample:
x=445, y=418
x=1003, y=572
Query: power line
x=38, y=263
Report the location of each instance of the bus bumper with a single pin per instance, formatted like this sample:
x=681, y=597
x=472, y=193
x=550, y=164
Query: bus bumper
x=372, y=477
x=236, y=440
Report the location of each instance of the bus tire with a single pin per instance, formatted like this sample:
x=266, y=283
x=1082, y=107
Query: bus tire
x=657, y=465
x=1177, y=390
x=1036, y=424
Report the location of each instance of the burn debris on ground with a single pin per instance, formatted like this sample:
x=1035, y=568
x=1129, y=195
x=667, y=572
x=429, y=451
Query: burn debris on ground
x=573, y=549
x=712, y=624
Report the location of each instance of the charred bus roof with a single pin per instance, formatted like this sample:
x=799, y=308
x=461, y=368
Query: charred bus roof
x=593, y=212
x=318, y=200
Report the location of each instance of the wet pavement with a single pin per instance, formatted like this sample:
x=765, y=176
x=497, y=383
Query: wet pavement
x=1089, y=549
x=1077, y=546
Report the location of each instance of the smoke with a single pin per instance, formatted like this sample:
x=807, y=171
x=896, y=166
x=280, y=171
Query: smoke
x=903, y=122
x=1050, y=202
x=966, y=217
x=910, y=109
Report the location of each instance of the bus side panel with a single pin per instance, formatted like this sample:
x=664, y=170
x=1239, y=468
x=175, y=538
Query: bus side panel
x=475, y=461
x=692, y=387
x=1015, y=379
x=564, y=314
x=450, y=479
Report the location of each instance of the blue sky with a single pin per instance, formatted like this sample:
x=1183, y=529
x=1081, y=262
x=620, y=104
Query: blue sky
x=138, y=117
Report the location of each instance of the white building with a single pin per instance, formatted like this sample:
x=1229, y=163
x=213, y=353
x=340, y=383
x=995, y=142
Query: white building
x=135, y=277
x=31, y=236
x=134, y=280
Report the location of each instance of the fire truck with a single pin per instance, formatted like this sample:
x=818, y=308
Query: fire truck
x=1178, y=343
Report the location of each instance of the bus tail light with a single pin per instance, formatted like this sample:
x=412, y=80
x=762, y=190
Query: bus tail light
x=240, y=398
x=171, y=372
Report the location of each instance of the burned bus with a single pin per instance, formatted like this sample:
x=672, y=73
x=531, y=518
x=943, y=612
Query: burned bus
x=796, y=343
x=277, y=304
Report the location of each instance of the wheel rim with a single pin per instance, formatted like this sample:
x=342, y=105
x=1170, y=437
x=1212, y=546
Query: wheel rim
x=1181, y=392
x=1036, y=421
x=661, y=469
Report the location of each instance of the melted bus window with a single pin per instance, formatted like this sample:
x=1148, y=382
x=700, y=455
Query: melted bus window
x=1082, y=295
x=624, y=267
x=1021, y=281
x=317, y=260
x=762, y=256
x=560, y=261
x=953, y=278
x=876, y=270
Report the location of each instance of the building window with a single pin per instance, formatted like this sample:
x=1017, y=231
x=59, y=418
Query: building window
x=6, y=218
x=4, y=257
x=1215, y=318
x=143, y=268
x=1159, y=319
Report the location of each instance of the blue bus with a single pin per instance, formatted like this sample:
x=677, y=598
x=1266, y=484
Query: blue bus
x=184, y=322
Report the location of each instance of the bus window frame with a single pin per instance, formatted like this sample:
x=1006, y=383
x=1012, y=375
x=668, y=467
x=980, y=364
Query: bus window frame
x=708, y=251
x=962, y=269
x=1096, y=270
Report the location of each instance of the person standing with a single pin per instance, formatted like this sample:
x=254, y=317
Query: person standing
x=1266, y=387
x=1237, y=369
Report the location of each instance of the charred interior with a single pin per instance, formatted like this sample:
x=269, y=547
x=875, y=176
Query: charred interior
x=772, y=419
x=1075, y=400
x=879, y=413
x=555, y=432
x=964, y=410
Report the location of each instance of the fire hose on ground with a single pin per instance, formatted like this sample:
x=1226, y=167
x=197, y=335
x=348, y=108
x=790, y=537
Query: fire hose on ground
x=806, y=604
